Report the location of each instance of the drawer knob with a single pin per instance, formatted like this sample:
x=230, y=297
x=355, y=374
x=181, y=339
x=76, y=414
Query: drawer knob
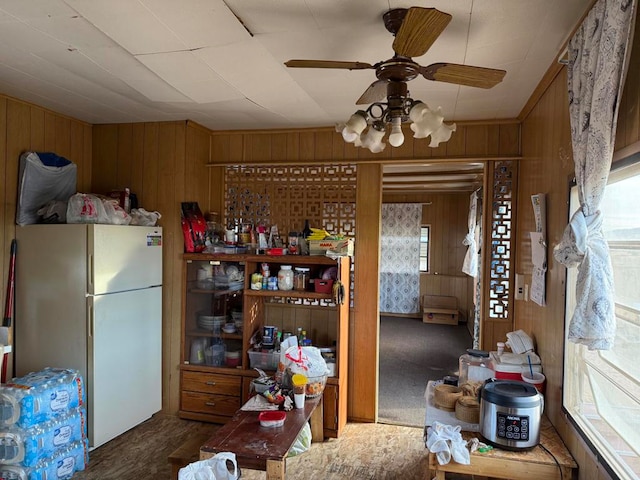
x=210, y=404
x=211, y=383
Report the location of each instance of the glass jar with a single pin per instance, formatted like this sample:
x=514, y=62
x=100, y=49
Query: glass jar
x=301, y=278
x=285, y=278
x=474, y=366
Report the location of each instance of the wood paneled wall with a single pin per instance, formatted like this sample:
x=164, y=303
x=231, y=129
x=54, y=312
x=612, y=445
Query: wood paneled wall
x=25, y=127
x=547, y=167
x=469, y=141
x=163, y=164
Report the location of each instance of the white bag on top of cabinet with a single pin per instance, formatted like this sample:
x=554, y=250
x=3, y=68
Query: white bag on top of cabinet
x=42, y=177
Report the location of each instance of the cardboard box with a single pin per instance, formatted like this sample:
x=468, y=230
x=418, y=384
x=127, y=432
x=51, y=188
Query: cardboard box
x=320, y=247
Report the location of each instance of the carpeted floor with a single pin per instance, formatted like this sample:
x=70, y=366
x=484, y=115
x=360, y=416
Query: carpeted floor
x=411, y=354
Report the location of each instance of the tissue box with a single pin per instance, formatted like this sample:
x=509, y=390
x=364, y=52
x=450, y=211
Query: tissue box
x=342, y=247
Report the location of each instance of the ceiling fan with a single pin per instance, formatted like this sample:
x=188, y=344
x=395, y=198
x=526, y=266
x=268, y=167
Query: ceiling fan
x=415, y=30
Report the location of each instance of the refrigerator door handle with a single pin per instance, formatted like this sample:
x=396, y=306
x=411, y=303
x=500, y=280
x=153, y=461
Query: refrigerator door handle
x=90, y=267
x=91, y=319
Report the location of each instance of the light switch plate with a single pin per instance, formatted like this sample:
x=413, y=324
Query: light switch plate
x=519, y=287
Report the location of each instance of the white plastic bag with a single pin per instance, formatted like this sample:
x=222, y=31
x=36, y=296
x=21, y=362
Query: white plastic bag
x=42, y=177
x=139, y=216
x=214, y=468
x=306, y=360
x=86, y=208
x=116, y=215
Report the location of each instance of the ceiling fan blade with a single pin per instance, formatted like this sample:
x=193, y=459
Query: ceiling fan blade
x=420, y=28
x=463, y=74
x=327, y=64
x=376, y=92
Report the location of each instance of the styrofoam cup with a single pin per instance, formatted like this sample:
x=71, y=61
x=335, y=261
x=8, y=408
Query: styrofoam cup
x=537, y=380
x=298, y=399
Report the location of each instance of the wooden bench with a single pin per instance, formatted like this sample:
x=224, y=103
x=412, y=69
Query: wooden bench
x=534, y=464
x=259, y=448
x=440, y=309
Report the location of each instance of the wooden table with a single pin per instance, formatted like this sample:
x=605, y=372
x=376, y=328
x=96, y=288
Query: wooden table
x=260, y=448
x=534, y=464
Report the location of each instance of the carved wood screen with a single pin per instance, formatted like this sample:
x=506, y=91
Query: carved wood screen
x=503, y=178
x=287, y=195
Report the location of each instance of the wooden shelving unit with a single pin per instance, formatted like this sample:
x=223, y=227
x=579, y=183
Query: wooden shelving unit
x=213, y=394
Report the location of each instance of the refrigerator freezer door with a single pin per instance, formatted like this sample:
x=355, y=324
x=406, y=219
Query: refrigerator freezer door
x=51, y=281
x=124, y=258
x=124, y=384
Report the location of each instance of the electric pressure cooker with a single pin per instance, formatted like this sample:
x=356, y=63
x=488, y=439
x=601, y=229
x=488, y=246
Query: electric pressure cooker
x=510, y=414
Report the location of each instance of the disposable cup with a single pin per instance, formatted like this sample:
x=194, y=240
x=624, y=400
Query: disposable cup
x=536, y=379
x=298, y=400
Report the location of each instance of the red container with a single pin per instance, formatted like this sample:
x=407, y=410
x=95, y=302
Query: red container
x=272, y=418
x=322, y=286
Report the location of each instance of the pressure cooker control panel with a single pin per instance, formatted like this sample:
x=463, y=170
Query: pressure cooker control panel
x=513, y=427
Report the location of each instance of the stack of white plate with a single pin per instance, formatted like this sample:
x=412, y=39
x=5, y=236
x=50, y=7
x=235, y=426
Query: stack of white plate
x=210, y=322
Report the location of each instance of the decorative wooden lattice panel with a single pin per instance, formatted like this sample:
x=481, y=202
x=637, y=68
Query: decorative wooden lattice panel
x=502, y=223
x=287, y=195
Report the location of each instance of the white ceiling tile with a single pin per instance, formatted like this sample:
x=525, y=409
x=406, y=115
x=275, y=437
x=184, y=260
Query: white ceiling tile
x=36, y=9
x=135, y=74
x=276, y=91
x=190, y=76
x=199, y=23
x=71, y=31
x=131, y=24
x=233, y=80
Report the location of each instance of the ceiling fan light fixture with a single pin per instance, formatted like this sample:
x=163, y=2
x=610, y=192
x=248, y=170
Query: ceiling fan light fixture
x=425, y=121
x=442, y=134
x=373, y=138
x=355, y=126
x=396, y=137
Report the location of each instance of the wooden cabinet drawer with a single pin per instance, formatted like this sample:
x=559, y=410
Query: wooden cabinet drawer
x=209, y=403
x=212, y=383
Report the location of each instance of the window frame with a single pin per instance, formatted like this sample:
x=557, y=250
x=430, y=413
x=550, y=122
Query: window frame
x=589, y=434
x=427, y=257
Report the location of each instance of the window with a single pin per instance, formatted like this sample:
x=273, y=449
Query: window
x=602, y=388
x=424, y=248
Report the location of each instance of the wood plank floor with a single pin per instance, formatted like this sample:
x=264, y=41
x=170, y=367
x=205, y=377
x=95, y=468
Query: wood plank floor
x=366, y=451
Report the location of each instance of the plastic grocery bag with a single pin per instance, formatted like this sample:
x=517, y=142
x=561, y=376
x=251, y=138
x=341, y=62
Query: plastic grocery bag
x=302, y=443
x=139, y=216
x=86, y=208
x=214, y=468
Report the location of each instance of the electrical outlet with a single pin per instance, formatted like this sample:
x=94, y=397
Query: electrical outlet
x=519, y=287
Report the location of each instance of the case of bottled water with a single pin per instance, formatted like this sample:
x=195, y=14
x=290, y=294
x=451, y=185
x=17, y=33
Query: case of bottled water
x=60, y=466
x=40, y=396
x=28, y=446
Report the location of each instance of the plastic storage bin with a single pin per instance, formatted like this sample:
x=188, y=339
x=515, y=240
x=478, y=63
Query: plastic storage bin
x=264, y=360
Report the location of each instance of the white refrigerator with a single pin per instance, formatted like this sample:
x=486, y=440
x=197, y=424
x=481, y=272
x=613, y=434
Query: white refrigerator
x=89, y=297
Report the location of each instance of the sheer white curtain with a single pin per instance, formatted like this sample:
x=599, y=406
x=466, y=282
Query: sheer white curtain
x=400, y=258
x=470, y=263
x=597, y=66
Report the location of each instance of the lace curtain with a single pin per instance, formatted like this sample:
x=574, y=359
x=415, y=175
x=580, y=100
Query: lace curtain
x=470, y=263
x=400, y=258
x=597, y=64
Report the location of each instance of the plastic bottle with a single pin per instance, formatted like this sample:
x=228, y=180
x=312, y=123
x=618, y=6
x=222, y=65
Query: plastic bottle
x=285, y=278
